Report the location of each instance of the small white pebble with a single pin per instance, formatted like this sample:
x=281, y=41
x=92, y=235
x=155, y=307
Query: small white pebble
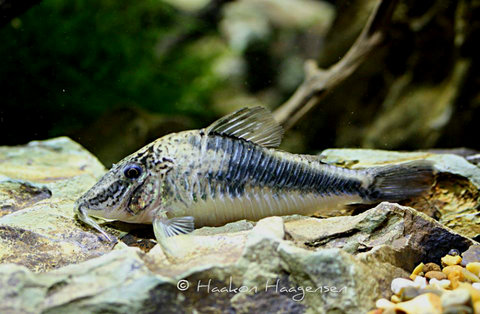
x=399, y=283
x=420, y=282
x=442, y=284
x=476, y=285
x=384, y=304
x=433, y=281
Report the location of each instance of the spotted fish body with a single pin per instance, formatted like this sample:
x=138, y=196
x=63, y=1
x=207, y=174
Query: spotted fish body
x=231, y=171
x=224, y=179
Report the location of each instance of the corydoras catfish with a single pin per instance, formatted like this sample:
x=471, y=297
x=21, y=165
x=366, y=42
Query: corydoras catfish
x=232, y=170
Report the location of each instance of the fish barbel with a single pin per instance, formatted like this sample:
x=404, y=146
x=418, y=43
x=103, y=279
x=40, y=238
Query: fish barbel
x=231, y=171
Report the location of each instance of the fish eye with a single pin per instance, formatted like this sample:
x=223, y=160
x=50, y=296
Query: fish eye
x=132, y=171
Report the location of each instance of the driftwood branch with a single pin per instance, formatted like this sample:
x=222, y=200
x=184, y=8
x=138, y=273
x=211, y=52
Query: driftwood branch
x=318, y=81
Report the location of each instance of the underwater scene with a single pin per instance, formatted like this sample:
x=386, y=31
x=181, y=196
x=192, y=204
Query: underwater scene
x=248, y=156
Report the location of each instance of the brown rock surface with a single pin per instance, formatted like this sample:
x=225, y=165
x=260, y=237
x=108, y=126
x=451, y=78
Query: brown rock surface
x=39, y=183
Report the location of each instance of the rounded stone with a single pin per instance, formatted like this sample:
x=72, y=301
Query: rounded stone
x=384, y=304
x=449, y=260
x=458, y=309
x=469, y=276
x=395, y=299
x=420, y=282
x=474, y=293
x=476, y=307
x=425, y=303
x=471, y=255
x=400, y=283
x=474, y=267
x=441, y=284
x=409, y=293
x=435, y=274
x=454, y=277
x=453, y=252
x=456, y=297
x=447, y=270
x=431, y=267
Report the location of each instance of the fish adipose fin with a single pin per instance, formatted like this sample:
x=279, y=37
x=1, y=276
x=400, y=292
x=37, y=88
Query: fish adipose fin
x=400, y=182
x=252, y=124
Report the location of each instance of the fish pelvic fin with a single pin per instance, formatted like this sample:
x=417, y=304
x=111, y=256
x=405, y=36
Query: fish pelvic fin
x=254, y=124
x=400, y=182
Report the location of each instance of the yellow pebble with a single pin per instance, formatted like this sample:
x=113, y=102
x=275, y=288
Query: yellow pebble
x=474, y=293
x=395, y=299
x=417, y=271
x=447, y=270
x=474, y=268
x=470, y=276
x=476, y=307
x=449, y=260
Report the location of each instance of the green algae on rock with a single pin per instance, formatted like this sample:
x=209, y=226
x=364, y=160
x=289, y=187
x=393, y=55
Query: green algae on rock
x=16, y=195
x=270, y=267
x=39, y=183
x=273, y=270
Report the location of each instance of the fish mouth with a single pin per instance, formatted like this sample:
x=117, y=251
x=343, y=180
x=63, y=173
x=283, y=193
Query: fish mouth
x=85, y=218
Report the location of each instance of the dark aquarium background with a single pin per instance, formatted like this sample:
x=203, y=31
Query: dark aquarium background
x=115, y=75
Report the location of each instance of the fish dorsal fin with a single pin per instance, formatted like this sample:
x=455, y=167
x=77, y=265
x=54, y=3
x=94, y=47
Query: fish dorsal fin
x=254, y=124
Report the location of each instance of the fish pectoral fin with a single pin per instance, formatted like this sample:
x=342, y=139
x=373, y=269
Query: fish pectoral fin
x=176, y=226
x=252, y=124
x=165, y=228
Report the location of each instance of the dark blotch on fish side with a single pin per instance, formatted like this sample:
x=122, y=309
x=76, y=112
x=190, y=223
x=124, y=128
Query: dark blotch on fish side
x=255, y=166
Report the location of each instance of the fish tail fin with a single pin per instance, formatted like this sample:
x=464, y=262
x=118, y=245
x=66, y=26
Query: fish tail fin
x=400, y=182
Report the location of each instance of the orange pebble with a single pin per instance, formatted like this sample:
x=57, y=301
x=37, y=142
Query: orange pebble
x=435, y=274
x=447, y=270
x=454, y=278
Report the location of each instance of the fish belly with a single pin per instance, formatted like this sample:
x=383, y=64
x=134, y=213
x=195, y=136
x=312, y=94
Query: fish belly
x=260, y=203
